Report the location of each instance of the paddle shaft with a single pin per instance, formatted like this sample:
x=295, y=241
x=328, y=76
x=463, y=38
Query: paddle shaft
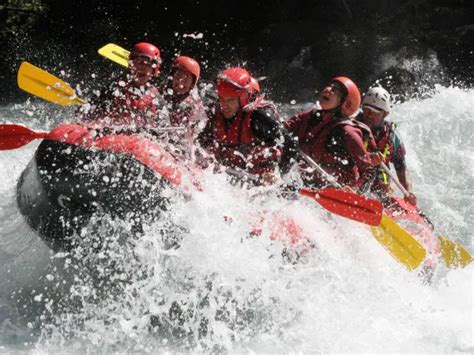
x=329, y=178
x=14, y=136
x=168, y=129
x=395, y=180
x=242, y=174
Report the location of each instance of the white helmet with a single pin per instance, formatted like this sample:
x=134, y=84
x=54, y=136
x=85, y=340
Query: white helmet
x=377, y=97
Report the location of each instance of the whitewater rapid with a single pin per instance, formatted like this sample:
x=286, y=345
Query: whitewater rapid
x=236, y=293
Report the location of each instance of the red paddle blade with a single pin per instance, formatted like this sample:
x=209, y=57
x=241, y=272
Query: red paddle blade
x=347, y=204
x=14, y=136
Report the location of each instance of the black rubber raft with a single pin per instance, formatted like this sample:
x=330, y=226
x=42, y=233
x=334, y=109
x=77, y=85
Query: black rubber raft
x=77, y=172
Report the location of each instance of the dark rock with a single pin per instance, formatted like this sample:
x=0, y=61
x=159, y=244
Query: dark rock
x=298, y=44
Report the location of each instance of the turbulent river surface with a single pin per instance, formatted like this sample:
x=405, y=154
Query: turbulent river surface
x=222, y=291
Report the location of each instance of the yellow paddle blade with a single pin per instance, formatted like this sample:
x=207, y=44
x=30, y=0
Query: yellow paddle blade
x=400, y=244
x=40, y=83
x=454, y=254
x=115, y=53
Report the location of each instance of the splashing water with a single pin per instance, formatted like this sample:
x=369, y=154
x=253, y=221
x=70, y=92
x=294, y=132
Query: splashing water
x=224, y=291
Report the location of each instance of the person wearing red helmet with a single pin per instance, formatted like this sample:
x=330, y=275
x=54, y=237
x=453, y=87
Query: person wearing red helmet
x=185, y=74
x=184, y=105
x=332, y=138
x=144, y=63
x=130, y=102
x=245, y=137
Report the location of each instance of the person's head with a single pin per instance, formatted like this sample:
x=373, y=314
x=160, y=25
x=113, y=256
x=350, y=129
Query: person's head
x=144, y=62
x=233, y=89
x=375, y=106
x=186, y=72
x=341, y=93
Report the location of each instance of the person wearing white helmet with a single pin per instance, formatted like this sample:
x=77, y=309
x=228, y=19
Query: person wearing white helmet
x=376, y=107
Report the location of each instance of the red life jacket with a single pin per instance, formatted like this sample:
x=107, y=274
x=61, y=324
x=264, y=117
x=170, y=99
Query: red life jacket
x=320, y=144
x=134, y=99
x=186, y=111
x=130, y=107
x=238, y=147
x=386, y=144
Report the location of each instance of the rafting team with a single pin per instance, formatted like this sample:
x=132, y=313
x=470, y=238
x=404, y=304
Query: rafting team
x=346, y=137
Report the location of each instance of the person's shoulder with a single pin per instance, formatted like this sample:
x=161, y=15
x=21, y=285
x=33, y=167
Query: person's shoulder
x=359, y=124
x=359, y=117
x=351, y=127
x=306, y=114
x=259, y=110
x=260, y=114
x=310, y=112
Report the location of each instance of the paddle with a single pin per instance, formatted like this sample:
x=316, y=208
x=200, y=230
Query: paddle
x=40, y=83
x=115, y=53
x=347, y=204
x=453, y=254
x=13, y=136
x=398, y=242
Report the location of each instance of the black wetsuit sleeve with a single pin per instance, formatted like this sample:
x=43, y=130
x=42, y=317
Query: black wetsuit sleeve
x=265, y=127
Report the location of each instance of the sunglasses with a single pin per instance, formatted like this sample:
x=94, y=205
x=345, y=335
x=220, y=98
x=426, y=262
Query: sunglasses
x=372, y=108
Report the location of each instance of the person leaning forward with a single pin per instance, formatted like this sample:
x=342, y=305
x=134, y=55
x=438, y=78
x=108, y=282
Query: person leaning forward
x=246, y=137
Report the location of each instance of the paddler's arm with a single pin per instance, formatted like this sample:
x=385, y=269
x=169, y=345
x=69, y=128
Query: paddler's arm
x=294, y=123
x=366, y=162
x=272, y=132
x=398, y=161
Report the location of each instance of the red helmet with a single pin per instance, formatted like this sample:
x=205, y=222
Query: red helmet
x=235, y=81
x=188, y=64
x=351, y=103
x=254, y=86
x=148, y=50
